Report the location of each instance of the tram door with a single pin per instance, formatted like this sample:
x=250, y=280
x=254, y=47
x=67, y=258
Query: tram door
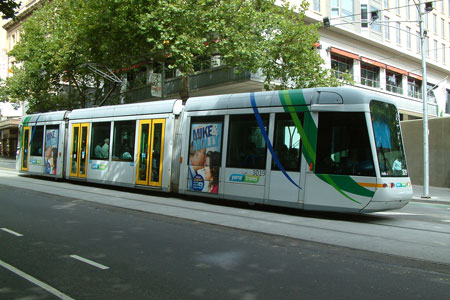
x=78, y=158
x=150, y=152
x=285, y=174
x=25, y=148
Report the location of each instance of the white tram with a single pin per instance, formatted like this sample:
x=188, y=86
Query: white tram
x=334, y=149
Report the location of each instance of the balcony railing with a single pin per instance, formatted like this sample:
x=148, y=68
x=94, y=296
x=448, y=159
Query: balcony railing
x=370, y=82
x=394, y=89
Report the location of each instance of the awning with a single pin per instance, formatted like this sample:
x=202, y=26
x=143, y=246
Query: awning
x=412, y=75
x=372, y=62
x=397, y=70
x=344, y=53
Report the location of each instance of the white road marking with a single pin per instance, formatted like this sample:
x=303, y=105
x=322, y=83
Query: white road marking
x=92, y=263
x=37, y=282
x=12, y=232
x=447, y=221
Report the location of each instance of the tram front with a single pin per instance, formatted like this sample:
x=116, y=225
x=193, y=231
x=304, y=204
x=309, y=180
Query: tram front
x=394, y=189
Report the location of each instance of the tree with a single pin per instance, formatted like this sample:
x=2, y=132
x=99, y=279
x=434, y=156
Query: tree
x=8, y=8
x=62, y=37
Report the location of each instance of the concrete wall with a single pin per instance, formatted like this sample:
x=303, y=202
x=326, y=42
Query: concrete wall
x=439, y=150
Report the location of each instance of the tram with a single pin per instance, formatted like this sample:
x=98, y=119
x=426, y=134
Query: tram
x=328, y=149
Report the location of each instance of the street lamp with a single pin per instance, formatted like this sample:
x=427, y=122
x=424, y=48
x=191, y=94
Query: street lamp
x=423, y=9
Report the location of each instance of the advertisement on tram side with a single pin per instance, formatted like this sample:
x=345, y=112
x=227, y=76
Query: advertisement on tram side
x=51, y=151
x=205, y=157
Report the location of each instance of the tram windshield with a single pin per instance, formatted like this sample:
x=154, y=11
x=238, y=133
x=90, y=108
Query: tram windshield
x=388, y=139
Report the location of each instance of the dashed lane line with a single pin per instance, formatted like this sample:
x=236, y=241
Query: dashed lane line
x=11, y=232
x=35, y=281
x=90, y=262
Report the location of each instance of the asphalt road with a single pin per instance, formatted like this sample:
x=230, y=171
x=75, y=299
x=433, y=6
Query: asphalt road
x=149, y=256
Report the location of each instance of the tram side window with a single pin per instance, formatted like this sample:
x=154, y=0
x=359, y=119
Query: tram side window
x=37, y=143
x=287, y=143
x=124, y=135
x=246, y=145
x=100, y=140
x=343, y=145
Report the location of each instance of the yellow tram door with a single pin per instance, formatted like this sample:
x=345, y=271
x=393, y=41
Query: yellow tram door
x=78, y=157
x=25, y=147
x=150, y=152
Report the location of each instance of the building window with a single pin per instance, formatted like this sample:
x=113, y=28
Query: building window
x=341, y=65
x=397, y=7
x=375, y=26
x=408, y=13
x=342, y=8
x=387, y=32
x=408, y=37
x=364, y=20
x=447, y=106
x=398, y=33
x=418, y=42
x=443, y=53
x=414, y=86
x=435, y=50
x=443, y=28
x=317, y=5
x=435, y=24
x=394, y=82
x=430, y=93
x=386, y=4
x=370, y=75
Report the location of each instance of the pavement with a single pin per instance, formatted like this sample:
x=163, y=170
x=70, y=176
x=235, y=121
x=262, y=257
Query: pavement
x=436, y=194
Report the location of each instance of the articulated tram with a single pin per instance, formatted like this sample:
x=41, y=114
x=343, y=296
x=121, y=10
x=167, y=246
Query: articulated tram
x=332, y=149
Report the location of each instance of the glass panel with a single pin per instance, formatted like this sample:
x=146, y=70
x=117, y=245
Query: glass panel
x=388, y=139
x=84, y=132
x=343, y=145
x=100, y=140
x=124, y=135
x=51, y=149
x=74, y=150
x=26, y=136
x=37, y=142
x=287, y=143
x=246, y=145
x=145, y=131
x=156, y=151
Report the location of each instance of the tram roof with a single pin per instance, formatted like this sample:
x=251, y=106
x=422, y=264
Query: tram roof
x=45, y=117
x=322, y=95
x=144, y=108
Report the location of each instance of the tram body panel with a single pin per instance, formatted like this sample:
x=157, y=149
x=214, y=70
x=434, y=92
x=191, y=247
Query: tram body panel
x=41, y=144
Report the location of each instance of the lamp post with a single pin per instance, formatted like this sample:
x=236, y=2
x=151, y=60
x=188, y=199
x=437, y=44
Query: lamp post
x=426, y=179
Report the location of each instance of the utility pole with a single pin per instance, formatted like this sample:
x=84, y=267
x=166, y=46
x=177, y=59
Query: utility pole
x=426, y=177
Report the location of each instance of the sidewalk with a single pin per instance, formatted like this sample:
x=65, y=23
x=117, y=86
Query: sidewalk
x=437, y=195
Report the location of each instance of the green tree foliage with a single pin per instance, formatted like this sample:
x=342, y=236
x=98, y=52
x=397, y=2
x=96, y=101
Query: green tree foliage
x=8, y=8
x=61, y=37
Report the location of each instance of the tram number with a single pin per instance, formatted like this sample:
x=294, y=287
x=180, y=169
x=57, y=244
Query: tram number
x=259, y=172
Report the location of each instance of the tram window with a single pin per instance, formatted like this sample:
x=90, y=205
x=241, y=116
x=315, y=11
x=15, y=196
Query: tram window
x=37, y=142
x=343, y=145
x=100, y=140
x=246, y=145
x=123, y=146
x=287, y=143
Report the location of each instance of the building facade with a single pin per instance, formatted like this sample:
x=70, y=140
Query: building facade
x=384, y=55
